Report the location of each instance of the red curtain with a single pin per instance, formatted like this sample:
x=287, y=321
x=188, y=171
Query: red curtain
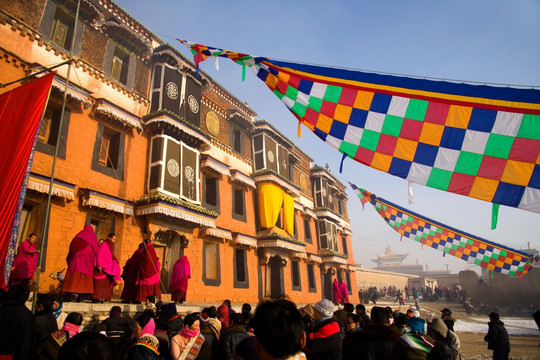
x=20, y=113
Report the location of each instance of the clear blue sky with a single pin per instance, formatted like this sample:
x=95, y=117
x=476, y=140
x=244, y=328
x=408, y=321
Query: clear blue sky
x=495, y=41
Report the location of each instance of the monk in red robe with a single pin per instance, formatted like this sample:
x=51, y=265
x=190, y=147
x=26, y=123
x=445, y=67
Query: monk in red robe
x=179, y=280
x=148, y=273
x=107, y=270
x=25, y=262
x=129, y=274
x=81, y=259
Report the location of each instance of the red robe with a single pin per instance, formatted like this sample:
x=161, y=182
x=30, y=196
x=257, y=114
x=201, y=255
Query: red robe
x=179, y=280
x=129, y=274
x=24, y=264
x=148, y=274
x=81, y=259
x=336, y=293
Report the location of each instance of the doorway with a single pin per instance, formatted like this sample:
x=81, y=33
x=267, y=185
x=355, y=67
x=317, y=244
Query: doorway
x=276, y=277
x=327, y=287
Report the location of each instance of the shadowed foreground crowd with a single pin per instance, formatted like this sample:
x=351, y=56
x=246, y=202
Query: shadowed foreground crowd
x=277, y=329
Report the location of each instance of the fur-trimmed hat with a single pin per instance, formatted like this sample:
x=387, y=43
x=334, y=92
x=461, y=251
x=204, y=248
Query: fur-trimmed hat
x=324, y=307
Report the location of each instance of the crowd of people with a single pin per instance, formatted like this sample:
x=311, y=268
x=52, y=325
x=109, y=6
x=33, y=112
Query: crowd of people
x=277, y=329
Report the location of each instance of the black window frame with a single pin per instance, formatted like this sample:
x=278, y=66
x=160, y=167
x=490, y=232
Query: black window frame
x=237, y=190
x=215, y=207
x=344, y=245
x=118, y=172
x=307, y=231
x=240, y=284
x=233, y=130
x=310, y=269
x=48, y=148
x=51, y=13
x=296, y=275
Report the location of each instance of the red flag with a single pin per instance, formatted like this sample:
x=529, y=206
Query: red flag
x=20, y=113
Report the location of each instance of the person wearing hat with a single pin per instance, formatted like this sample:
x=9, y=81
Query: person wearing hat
x=497, y=337
x=446, y=341
x=447, y=318
x=416, y=323
x=325, y=341
x=169, y=319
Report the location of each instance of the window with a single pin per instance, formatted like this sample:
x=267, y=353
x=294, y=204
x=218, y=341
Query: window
x=120, y=63
x=49, y=128
x=328, y=235
x=58, y=26
x=211, y=193
x=295, y=274
x=62, y=29
x=340, y=206
x=108, y=157
x=211, y=264
x=295, y=229
x=344, y=245
x=307, y=231
x=236, y=139
x=241, y=279
x=312, y=286
x=348, y=282
x=321, y=192
x=109, y=149
x=239, y=204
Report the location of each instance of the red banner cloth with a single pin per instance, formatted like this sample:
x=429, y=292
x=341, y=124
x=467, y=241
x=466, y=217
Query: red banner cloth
x=20, y=114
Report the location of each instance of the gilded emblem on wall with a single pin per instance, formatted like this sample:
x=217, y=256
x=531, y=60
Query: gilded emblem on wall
x=212, y=123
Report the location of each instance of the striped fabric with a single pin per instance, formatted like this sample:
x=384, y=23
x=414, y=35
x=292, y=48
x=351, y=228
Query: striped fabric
x=473, y=140
x=454, y=242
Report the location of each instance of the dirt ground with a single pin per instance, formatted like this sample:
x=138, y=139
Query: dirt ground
x=473, y=345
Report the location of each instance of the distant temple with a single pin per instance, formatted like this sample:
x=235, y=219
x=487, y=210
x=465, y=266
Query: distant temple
x=390, y=261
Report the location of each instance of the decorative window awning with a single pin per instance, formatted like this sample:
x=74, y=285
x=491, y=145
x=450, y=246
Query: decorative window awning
x=314, y=258
x=298, y=206
x=351, y=267
x=97, y=199
x=325, y=213
x=237, y=176
x=269, y=177
x=106, y=108
x=299, y=255
x=279, y=243
x=241, y=239
x=346, y=231
x=41, y=184
x=310, y=212
x=217, y=233
x=164, y=118
x=332, y=257
x=217, y=166
x=161, y=207
x=72, y=92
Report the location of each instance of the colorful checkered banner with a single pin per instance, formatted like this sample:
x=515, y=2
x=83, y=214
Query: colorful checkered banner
x=473, y=140
x=454, y=242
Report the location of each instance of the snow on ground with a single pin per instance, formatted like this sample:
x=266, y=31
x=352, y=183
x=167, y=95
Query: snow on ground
x=514, y=326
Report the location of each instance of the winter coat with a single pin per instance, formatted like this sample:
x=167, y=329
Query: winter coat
x=438, y=330
x=325, y=341
x=230, y=337
x=374, y=342
x=497, y=337
x=117, y=330
x=417, y=324
x=17, y=331
x=45, y=325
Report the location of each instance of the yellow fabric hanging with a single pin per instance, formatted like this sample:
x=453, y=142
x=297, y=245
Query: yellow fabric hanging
x=270, y=201
x=288, y=213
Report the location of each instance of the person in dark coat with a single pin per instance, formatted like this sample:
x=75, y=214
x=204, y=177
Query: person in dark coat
x=17, y=330
x=117, y=329
x=536, y=317
x=325, y=342
x=88, y=345
x=169, y=320
x=231, y=336
x=446, y=316
x=146, y=347
x=375, y=340
x=497, y=337
x=44, y=318
x=50, y=348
